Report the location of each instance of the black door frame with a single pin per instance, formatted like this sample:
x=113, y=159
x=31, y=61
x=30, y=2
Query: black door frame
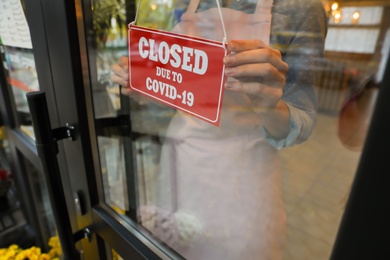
x=56, y=48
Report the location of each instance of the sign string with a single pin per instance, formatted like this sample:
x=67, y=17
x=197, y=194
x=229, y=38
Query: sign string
x=224, y=40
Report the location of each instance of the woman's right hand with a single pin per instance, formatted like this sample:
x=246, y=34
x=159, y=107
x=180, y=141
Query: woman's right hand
x=120, y=74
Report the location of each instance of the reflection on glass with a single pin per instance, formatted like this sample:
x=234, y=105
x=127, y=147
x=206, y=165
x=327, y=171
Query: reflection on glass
x=156, y=14
x=318, y=174
x=22, y=77
x=4, y=148
x=6, y=180
x=113, y=173
x=110, y=43
x=19, y=58
x=41, y=201
x=240, y=191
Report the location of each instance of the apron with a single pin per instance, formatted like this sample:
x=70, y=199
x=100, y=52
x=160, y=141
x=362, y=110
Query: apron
x=226, y=177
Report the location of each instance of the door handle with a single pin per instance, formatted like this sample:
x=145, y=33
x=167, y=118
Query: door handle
x=46, y=143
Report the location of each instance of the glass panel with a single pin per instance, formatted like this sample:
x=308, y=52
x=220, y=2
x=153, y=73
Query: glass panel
x=14, y=227
x=41, y=202
x=19, y=58
x=113, y=173
x=272, y=179
x=12, y=220
x=108, y=44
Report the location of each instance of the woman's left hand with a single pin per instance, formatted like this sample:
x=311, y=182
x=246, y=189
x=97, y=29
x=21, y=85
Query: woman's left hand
x=258, y=70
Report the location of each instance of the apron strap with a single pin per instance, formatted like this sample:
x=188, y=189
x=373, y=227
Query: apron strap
x=262, y=6
x=193, y=6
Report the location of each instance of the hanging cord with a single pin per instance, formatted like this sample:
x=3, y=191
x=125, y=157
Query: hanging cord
x=136, y=13
x=224, y=40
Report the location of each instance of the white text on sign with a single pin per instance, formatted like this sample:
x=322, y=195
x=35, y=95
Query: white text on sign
x=191, y=60
x=169, y=91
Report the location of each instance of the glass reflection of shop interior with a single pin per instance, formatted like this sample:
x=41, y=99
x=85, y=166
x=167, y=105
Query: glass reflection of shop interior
x=111, y=43
x=22, y=234
x=22, y=77
x=41, y=200
x=14, y=227
x=18, y=60
x=9, y=204
x=317, y=175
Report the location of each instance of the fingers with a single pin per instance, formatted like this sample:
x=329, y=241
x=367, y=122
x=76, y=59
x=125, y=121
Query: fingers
x=124, y=61
x=264, y=95
x=259, y=71
x=265, y=55
x=126, y=91
x=254, y=51
x=245, y=45
x=264, y=71
x=123, y=81
x=120, y=73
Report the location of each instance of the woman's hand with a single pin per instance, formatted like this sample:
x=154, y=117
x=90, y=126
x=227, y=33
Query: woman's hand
x=120, y=74
x=259, y=71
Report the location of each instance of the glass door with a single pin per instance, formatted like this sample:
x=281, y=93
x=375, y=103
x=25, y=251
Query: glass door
x=26, y=217
x=77, y=79
x=153, y=181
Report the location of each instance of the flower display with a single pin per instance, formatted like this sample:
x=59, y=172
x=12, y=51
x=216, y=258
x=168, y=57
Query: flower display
x=14, y=252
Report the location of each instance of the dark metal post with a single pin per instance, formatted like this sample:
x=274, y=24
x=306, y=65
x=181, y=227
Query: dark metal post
x=47, y=151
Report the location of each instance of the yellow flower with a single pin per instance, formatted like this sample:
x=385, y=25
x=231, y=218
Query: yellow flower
x=22, y=255
x=13, y=247
x=35, y=251
x=3, y=251
x=32, y=256
x=55, y=252
x=44, y=257
x=9, y=255
x=14, y=252
x=54, y=242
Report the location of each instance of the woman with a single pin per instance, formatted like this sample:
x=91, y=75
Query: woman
x=228, y=176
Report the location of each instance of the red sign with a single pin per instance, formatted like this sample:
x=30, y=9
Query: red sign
x=184, y=72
